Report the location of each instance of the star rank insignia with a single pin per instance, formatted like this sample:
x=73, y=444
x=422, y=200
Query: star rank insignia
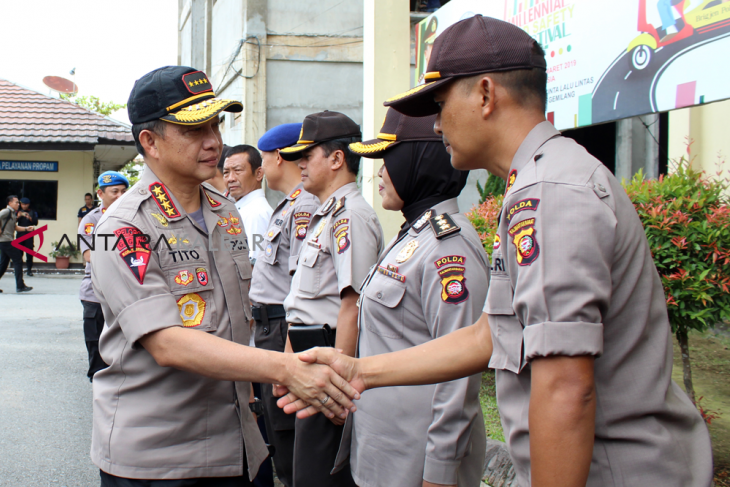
x=420, y=224
x=163, y=200
x=197, y=82
x=443, y=225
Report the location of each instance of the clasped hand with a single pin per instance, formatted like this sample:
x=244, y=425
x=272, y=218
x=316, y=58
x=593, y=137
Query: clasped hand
x=342, y=382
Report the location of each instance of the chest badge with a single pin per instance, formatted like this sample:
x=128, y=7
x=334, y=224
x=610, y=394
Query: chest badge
x=192, y=310
x=184, y=277
x=269, y=250
x=318, y=230
x=223, y=222
x=202, y=274
x=407, y=251
x=160, y=218
x=235, y=222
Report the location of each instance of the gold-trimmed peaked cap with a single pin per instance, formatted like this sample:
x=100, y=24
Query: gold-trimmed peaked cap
x=321, y=127
x=397, y=128
x=469, y=47
x=176, y=94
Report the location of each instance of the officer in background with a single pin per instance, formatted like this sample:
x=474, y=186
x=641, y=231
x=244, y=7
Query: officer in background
x=8, y=227
x=27, y=217
x=430, y=280
x=343, y=242
x=171, y=408
x=111, y=186
x=271, y=279
x=575, y=321
x=88, y=206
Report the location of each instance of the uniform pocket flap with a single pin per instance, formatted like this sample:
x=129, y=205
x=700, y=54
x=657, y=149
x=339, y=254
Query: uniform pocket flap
x=243, y=264
x=272, y=233
x=499, y=297
x=309, y=256
x=189, y=279
x=385, y=290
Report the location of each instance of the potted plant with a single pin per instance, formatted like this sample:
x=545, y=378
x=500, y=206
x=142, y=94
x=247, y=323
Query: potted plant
x=63, y=253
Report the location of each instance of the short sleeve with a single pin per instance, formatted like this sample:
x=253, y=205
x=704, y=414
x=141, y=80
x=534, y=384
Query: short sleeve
x=561, y=253
x=356, y=244
x=85, y=231
x=129, y=278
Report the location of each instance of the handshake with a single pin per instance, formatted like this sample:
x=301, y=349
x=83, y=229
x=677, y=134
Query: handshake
x=324, y=381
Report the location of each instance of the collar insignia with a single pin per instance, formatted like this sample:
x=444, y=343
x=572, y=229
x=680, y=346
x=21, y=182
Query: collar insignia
x=294, y=195
x=420, y=224
x=340, y=207
x=328, y=206
x=163, y=200
x=511, y=180
x=443, y=225
x=213, y=203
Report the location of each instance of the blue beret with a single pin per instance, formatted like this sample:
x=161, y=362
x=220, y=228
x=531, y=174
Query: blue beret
x=112, y=178
x=25, y=201
x=280, y=136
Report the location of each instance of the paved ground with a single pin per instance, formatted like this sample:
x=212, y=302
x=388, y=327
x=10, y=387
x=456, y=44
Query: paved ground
x=45, y=397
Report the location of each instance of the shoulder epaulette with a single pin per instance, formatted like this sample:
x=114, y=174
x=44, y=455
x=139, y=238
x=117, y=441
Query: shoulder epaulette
x=443, y=225
x=339, y=207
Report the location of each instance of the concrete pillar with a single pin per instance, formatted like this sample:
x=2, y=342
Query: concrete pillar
x=386, y=71
x=253, y=56
x=637, y=147
x=198, y=18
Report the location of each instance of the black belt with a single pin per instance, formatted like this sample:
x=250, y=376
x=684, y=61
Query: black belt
x=266, y=312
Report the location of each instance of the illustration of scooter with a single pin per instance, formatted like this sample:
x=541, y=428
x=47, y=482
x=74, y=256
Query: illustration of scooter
x=680, y=19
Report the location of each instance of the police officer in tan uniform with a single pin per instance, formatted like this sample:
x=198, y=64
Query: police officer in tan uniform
x=431, y=279
x=575, y=322
x=171, y=272
x=343, y=242
x=272, y=273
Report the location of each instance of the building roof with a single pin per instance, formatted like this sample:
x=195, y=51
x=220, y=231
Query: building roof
x=29, y=117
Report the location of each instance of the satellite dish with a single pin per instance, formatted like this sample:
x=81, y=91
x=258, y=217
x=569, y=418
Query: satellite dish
x=61, y=85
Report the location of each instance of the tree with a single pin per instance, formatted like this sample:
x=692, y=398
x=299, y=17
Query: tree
x=686, y=218
x=493, y=187
x=133, y=170
x=93, y=104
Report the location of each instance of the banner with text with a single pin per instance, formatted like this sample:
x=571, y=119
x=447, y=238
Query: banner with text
x=610, y=59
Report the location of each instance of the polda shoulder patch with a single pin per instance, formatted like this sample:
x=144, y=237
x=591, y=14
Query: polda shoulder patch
x=163, y=200
x=443, y=225
x=529, y=204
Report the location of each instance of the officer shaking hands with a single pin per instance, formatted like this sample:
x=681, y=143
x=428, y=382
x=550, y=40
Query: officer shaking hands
x=173, y=286
x=575, y=321
x=111, y=186
x=272, y=273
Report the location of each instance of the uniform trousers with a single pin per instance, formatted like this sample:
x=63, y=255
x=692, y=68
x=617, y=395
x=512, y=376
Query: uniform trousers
x=93, y=325
x=112, y=481
x=270, y=334
x=30, y=245
x=11, y=253
x=316, y=443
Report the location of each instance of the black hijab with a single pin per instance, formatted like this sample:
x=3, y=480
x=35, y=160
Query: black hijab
x=423, y=176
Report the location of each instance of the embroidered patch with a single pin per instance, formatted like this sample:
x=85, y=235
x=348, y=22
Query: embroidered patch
x=407, y=251
x=453, y=283
x=420, y=224
x=163, y=221
x=392, y=274
x=89, y=228
x=223, y=222
x=269, y=250
x=443, y=225
x=450, y=260
x=197, y=82
x=340, y=229
x=192, y=310
x=235, y=222
x=301, y=220
x=173, y=240
x=510, y=180
x=497, y=242
x=522, y=205
x=234, y=219
x=525, y=240
x=134, y=250
x=163, y=200
x=213, y=203
x=278, y=222
x=184, y=277
x=202, y=274
x=106, y=179
x=294, y=195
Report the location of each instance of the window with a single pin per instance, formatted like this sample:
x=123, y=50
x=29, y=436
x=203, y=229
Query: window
x=43, y=195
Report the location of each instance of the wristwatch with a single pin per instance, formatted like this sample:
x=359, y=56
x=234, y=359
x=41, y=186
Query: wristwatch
x=256, y=407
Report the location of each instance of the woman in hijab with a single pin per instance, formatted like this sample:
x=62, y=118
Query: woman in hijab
x=431, y=280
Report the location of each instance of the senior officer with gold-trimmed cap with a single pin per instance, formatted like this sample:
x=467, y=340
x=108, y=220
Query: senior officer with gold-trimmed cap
x=430, y=280
x=575, y=321
x=172, y=407
x=343, y=242
x=271, y=279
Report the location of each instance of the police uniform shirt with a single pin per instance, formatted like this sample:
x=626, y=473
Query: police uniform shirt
x=8, y=218
x=427, y=284
x=86, y=231
x=572, y=275
x=287, y=231
x=344, y=241
x=155, y=422
x=85, y=210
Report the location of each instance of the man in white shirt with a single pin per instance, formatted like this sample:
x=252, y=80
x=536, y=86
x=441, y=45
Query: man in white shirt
x=243, y=174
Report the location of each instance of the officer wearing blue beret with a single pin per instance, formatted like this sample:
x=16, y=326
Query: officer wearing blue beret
x=111, y=185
